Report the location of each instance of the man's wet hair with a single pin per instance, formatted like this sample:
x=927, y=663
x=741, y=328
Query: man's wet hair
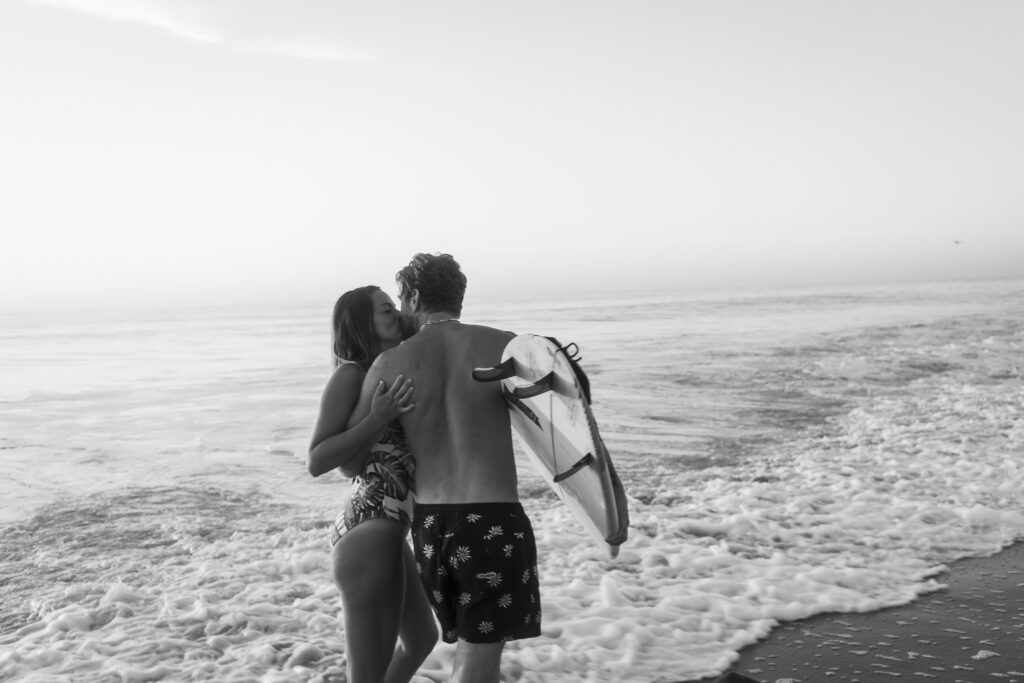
x=439, y=280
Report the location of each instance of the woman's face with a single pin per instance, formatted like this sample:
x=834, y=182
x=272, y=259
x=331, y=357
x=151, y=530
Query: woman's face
x=386, y=320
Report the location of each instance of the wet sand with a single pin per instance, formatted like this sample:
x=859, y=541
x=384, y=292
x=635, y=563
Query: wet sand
x=971, y=631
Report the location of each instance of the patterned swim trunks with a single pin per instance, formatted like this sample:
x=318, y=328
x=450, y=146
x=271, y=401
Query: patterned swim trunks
x=478, y=565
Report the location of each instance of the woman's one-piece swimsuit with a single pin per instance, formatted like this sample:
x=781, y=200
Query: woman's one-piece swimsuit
x=385, y=488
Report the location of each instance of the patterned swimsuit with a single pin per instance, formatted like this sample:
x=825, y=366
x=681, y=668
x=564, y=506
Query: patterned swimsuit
x=385, y=488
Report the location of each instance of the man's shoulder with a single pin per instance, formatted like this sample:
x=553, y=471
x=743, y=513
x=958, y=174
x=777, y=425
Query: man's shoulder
x=412, y=350
x=391, y=357
x=491, y=332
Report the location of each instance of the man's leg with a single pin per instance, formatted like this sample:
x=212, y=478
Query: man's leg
x=477, y=662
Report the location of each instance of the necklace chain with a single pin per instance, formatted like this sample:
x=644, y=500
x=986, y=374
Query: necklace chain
x=438, y=322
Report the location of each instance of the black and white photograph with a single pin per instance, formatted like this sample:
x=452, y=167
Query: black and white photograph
x=648, y=341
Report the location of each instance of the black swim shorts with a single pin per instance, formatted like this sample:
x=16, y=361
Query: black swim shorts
x=478, y=565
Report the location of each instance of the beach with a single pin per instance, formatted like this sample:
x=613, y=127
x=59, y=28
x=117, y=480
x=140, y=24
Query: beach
x=970, y=630
x=812, y=474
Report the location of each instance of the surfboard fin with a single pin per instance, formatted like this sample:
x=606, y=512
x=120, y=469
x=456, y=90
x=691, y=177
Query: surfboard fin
x=583, y=462
x=503, y=371
x=535, y=389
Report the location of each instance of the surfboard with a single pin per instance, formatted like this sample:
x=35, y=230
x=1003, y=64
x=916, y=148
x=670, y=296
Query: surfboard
x=548, y=397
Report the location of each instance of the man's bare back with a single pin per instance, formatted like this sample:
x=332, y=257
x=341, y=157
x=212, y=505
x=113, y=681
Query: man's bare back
x=459, y=431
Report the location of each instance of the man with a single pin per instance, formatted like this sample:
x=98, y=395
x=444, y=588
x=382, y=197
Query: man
x=474, y=545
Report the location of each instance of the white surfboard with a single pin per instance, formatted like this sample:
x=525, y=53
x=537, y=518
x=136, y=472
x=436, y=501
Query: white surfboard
x=549, y=404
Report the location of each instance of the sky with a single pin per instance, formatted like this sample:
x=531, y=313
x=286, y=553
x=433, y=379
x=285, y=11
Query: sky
x=172, y=152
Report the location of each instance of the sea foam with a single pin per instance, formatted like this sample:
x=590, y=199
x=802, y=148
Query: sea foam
x=830, y=465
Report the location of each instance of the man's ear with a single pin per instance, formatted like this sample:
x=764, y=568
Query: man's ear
x=414, y=299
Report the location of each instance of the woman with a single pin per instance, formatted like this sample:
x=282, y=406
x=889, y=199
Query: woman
x=389, y=626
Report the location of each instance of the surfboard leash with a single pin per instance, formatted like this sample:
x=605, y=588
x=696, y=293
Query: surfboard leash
x=571, y=351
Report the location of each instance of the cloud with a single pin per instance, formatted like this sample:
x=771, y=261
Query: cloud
x=295, y=47
x=179, y=20
x=310, y=30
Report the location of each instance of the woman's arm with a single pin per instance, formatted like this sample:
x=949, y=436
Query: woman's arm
x=332, y=444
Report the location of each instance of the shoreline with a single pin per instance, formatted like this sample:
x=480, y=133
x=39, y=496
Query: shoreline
x=971, y=630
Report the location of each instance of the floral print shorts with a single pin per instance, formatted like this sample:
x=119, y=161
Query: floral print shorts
x=478, y=565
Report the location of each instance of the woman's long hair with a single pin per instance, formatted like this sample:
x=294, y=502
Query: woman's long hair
x=352, y=335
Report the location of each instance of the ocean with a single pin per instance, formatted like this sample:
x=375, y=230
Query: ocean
x=786, y=452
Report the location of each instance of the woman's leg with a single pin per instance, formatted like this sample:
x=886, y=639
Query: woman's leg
x=368, y=569
x=417, y=632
